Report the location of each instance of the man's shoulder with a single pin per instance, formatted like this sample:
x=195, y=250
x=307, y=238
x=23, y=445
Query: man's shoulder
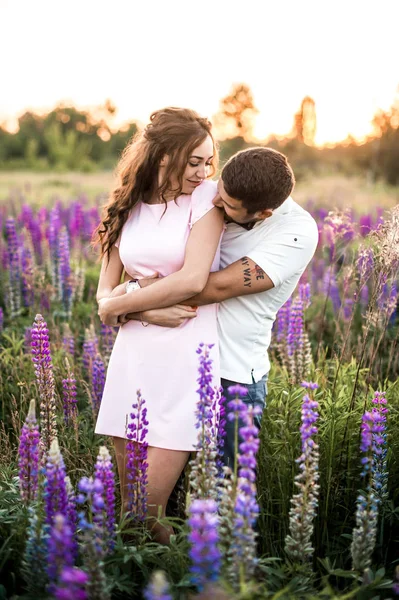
x=296, y=217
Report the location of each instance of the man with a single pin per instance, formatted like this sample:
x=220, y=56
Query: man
x=268, y=242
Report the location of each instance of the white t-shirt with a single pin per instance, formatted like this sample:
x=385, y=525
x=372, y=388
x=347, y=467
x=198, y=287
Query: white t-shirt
x=282, y=246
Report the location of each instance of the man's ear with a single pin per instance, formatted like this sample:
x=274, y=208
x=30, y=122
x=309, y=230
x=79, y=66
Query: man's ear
x=264, y=214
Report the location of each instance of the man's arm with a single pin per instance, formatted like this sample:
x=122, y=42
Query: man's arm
x=241, y=278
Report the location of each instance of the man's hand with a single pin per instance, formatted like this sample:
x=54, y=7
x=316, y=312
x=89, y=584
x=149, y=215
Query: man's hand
x=104, y=313
x=173, y=316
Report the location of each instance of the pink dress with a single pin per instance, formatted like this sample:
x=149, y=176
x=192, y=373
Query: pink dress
x=162, y=362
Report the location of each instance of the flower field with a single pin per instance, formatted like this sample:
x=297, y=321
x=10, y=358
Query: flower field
x=311, y=509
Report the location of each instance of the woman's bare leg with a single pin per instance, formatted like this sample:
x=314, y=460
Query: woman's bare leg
x=164, y=468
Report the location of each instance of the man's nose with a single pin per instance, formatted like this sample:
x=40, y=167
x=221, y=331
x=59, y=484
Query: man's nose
x=217, y=201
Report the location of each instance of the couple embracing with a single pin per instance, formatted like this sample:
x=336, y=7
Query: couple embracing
x=203, y=261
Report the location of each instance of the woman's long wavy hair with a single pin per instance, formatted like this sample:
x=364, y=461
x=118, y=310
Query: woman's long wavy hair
x=172, y=132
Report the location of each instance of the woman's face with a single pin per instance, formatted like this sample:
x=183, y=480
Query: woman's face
x=197, y=168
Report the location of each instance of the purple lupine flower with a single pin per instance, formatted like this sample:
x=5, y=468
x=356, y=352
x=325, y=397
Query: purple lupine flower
x=68, y=341
x=365, y=533
x=92, y=527
x=220, y=408
x=55, y=490
x=69, y=396
x=158, y=588
x=60, y=549
x=136, y=466
x=72, y=513
x=90, y=350
x=72, y=584
x=331, y=290
x=105, y=473
x=1, y=320
x=203, y=536
x=246, y=508
x=42, y=362
x=304, y=294
x=107, y=340
x=97, y=382
x=35, y=554
x=282, y=321
x=28, y=339
x=14, y=268
x=304, y=504
x=380, y=472
x=295, y=326
x=203, y=467
x=27, y=277
x=28, y=452
x=64, y=271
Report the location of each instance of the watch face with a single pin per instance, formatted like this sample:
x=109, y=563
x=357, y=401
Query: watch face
x=132, y=285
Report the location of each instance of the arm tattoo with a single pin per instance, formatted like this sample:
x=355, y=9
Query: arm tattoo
x=260, y=274
x=246, y=272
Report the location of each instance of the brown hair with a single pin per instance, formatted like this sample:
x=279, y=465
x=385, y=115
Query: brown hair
x=260, y=178
x=174, y=132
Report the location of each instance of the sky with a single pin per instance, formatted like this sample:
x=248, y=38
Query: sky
x=146, y=54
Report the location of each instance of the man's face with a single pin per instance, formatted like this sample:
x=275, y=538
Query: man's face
x=234, y=212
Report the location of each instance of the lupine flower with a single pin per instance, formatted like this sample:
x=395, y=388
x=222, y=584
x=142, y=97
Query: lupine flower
x=90, y=350
x=1, y=320
x=331, y=290
x=72, y=584
x=60, y=549
x=203, y=537
x=380, y=473
x=29, y=456
x=304, y=504
x=365, y=533
x=97, y=382
x=35, y=555
x=158, y=588
x=203, y=467
x=28, y=339
x=41, y=358
x=14, y=268
x=246, y=509
x=72, y=513
x=69, y=395
x=64, y=271
x=68, y=341
x=107, y=340
x=292, y=340
x=55, y=491
x=136, y=466
x=105, y=473
x=220, y=409
x=92, y=526
x=27, y=277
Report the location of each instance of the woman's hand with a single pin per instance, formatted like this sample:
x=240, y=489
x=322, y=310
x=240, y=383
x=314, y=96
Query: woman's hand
x=105, y=313
x=173, y=316
x=119, y=290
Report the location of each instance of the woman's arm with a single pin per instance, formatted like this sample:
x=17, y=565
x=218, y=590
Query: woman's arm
x=188, y=281
x=110, y=274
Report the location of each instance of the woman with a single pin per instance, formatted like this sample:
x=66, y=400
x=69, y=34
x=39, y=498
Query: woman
x=160, y=220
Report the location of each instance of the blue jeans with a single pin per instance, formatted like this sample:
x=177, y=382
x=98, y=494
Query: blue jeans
x=256, y=396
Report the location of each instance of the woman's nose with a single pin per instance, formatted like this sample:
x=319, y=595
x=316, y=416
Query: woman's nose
x=202, y=171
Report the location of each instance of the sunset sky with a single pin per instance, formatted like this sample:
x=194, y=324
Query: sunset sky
x=147, y=54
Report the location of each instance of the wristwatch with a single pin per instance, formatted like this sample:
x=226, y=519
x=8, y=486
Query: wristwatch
x=132, y=285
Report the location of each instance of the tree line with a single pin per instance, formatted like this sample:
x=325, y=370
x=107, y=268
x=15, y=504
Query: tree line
x=70, y=139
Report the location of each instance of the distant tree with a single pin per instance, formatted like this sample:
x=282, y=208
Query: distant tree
x=385, y=146
x=304, y=129
x=237, y=113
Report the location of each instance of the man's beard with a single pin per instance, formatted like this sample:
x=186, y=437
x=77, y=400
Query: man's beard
x=247, y=225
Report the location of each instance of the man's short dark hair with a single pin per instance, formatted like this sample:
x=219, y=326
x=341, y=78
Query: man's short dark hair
x=260, y=178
